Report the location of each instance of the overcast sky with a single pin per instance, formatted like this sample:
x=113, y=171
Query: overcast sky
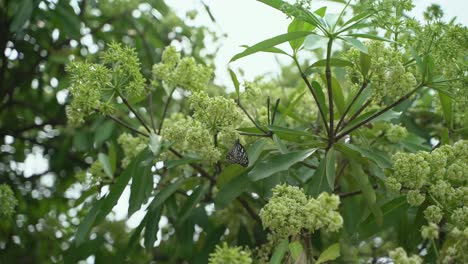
x=247, y=22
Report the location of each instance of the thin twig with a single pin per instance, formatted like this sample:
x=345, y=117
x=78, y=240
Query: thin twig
x=251, y=119
x=274, y=111
x=166, y=107
x=197, y=167
x=370, y=118
x=268, y=134
x=268, y=110
x=116, y=119
x=150, y=107
x=130, y=107
x=311, y=89
x=363, y=86
x=249, y=209
x=348, y=194
x=331, y=134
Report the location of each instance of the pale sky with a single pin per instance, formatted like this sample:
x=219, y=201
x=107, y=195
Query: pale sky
x=247, y=22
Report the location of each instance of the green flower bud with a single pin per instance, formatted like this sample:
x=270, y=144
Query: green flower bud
x=232, y=255
x=433, y=214
x=396, y=133
x=430, y=232
x=8, y=201
x=415, y=198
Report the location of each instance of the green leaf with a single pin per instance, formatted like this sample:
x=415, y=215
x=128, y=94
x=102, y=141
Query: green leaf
x=165, y=193
x=85, y=226
x=255, y=150
x=232, y=190
x=321, y=11
x=103, y=132
x=116, y=190
x=105, y=162
x=356, y=43
x=360, y=101
x=142, y=186
x=298, y=25
x=269, y=43
x=330, y=167
x=192, y=202
x=318, y=183
x=333, y=62
x=320, y=97
x=338, y=97
x=391, y=211
x=296, y=249
x=362, y=180
x=370, y=36
x=235, y=81
x=365, y=61
x=23, y=12
x=379, y=157
x=281, y=146
x=152, y=227
x=279, y=252
x=354, y=21
x=277, y=163
x=331, y=253
x=290, y=107
x=174, y=163
x=69, y=20
x=229, y=172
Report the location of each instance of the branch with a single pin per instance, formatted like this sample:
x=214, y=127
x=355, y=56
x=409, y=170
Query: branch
x=363, y=86
x=122, y=123
x=349, y=194
x=328, y=76
x=370, y=118
x=166, y=107
x=251, y=119
x=249, y=209
x=130, y=107
x=304, y=77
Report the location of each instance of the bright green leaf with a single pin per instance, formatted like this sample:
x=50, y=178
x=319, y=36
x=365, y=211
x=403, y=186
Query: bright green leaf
x=279, y=252
x=296, y=249
x=277, y=163
x=331, y=253
x=330, y=167
x=269, y=43
x=356, y=43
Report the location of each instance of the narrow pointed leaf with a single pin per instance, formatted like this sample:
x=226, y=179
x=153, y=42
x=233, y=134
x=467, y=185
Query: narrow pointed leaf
x=331, y=253
x=269, y=43
x=330, y=167
x=277, y=163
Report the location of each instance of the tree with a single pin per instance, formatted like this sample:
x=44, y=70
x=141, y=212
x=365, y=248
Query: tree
x=364, y=159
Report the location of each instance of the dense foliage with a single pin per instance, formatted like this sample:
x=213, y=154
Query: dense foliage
x=357, y=153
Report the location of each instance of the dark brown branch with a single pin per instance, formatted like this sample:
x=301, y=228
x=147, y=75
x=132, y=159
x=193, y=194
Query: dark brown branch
x=251, y=119
x=370, y=118
x=130, y=107
x=349, y=194
x=122, y=123
x=331, y=134
x=249, y=210
x=363, y=86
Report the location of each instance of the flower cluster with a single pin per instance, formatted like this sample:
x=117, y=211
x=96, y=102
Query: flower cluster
x=184, y=73
x=438, y=175
x=131, y=146
x=8, y=201
x=216, y=113
x=191, y=135
x=389, y=76
x=93, y=85
x=396, y=133
x=446, y=45
x=290, y=210
x=233, y=255
x=456, y=245
x=400, y=256
x=125, y=65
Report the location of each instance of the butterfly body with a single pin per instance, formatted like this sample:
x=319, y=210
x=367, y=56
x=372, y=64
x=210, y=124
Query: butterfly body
x=238, y=154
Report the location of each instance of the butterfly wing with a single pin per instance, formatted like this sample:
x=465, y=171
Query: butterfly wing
x=238, y=155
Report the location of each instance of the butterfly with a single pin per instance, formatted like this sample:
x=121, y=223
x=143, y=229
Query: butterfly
x=238, y=154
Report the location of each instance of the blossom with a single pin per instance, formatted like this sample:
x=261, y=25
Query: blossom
x=232, y=255
x=289, y=210
x=8, y=201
